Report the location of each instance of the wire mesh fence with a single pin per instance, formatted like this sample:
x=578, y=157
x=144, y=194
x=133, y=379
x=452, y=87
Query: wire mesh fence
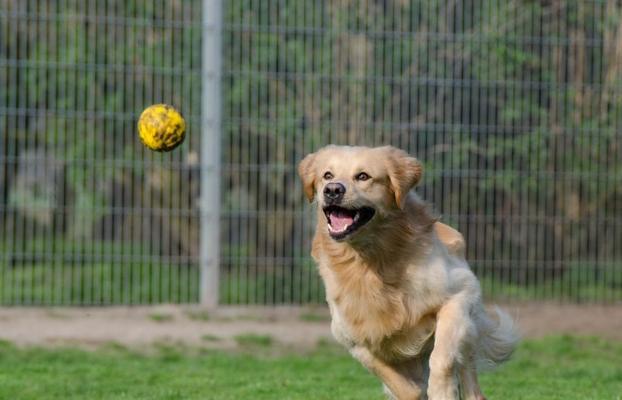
x=513, y=107
x=87, y=215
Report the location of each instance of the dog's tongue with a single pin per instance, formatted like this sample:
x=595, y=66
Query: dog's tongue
x=340, y=220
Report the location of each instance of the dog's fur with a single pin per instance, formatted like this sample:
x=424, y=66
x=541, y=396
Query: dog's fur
x=402, y=297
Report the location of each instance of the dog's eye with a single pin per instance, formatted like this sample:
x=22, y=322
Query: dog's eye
x=328, y=175
x=363, y=176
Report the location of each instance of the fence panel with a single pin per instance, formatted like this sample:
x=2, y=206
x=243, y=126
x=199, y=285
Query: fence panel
x=513, y=107
x=87, y=214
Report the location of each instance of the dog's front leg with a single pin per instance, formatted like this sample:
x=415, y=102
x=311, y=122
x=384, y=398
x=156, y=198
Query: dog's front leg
x=454, y=329
x=400, y=387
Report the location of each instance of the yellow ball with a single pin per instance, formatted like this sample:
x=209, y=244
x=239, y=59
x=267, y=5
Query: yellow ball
x=161, y=127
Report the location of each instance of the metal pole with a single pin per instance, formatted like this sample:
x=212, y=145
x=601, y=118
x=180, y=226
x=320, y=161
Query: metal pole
x=210, y=153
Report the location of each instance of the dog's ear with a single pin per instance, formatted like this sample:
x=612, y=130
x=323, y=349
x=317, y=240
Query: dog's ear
x=404, y=173
x=307, y=175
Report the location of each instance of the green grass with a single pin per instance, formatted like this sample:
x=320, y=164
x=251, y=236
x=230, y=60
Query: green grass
x=555, y=368
x=210, y=338
x=559, y=368
x=315, y=317
x=251, y=340
x=198, y=315
x=159, y=317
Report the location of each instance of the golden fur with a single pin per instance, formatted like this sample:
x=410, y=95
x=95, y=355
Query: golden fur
x=402, y=298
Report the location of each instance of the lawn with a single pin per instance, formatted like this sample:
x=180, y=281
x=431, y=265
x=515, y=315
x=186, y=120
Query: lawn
x=554, y=368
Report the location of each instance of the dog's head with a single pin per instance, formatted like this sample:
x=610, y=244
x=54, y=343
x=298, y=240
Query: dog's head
x=355, y=185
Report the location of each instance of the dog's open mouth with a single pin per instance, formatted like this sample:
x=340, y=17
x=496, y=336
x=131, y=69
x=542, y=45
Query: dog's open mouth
x=345, y=221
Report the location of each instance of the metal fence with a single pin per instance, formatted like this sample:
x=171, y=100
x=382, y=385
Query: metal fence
x=87, y=214
x=513, y=107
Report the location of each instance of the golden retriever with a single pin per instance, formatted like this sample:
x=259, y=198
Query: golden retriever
x=401, y=295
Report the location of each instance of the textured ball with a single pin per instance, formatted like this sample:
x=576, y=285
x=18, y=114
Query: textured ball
x=161, y=127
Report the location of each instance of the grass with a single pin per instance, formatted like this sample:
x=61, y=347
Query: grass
x=560, y=368
x=210, y=338
x=251, y=340
x=198, y=315
x=315, y=317
x=159, y=317
x=554, y=368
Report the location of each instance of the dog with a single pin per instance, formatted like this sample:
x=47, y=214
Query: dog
x=402, y=298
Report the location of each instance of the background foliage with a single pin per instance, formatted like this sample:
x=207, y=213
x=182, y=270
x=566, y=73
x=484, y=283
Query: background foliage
x=513, y=106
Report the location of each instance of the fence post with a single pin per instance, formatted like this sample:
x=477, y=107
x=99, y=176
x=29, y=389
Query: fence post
x=210, y=153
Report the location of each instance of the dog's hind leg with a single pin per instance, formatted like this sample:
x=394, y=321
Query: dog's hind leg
x=455, y=331
x=469, y=386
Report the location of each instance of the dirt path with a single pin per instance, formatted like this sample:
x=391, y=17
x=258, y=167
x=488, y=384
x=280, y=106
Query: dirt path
x=296, y=327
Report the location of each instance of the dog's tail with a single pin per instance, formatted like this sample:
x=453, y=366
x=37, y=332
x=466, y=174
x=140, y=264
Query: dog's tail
x=498, y=338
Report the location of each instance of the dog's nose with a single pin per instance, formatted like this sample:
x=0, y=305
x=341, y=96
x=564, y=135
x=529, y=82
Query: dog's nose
x=334, y=192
